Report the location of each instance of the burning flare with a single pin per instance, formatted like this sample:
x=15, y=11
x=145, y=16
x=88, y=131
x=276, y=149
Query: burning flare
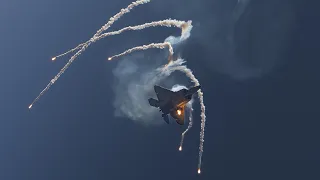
x=179, y=112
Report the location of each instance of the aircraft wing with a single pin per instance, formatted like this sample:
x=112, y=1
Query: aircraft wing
x=162, y=93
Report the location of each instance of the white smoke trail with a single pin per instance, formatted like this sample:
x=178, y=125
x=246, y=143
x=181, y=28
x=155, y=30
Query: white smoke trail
x=83, y=48
x=145, y=47
x=185, y=33
x=135, y=77
x=177, y=66
x=120, y=14
x=184, y=26
x=188, y=108
x=155, y=76
x=70, y=51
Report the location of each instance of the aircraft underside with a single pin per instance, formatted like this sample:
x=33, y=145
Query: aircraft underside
x=172, y=103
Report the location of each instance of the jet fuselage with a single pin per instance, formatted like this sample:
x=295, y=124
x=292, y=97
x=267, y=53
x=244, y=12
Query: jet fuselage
x=173, y=103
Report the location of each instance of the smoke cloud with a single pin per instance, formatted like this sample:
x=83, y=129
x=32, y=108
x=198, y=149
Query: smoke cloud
x=135, y=77
x=134, y=83
x=240, y=38
x=133, y=86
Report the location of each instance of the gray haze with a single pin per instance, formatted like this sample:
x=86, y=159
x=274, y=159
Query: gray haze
x=135, y=77
x=217, y=31
x=133, y=85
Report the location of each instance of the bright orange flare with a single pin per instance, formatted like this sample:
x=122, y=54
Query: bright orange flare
x=54, y=58
x=109, y=59
x=179, y=112
x=199, y=171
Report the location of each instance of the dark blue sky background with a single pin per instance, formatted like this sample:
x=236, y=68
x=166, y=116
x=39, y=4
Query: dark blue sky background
x=261, y=124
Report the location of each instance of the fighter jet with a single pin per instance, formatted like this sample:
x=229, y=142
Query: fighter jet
x=173, y=103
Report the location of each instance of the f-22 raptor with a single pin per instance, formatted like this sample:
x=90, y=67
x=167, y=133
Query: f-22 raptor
x=173, y=103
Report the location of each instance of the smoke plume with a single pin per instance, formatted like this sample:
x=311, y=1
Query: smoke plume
x=135, y=77
x=134, y=83
x=133, y=86
x=243, y=39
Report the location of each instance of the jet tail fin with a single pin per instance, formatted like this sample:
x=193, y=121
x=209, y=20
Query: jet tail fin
x=153, y=102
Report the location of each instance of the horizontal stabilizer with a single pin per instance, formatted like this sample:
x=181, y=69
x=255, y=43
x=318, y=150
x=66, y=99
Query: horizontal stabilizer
x=165, y=118
x=153, y=102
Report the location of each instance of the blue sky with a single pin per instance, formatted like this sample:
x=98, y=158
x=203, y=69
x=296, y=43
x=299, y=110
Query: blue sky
x=259, y=73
